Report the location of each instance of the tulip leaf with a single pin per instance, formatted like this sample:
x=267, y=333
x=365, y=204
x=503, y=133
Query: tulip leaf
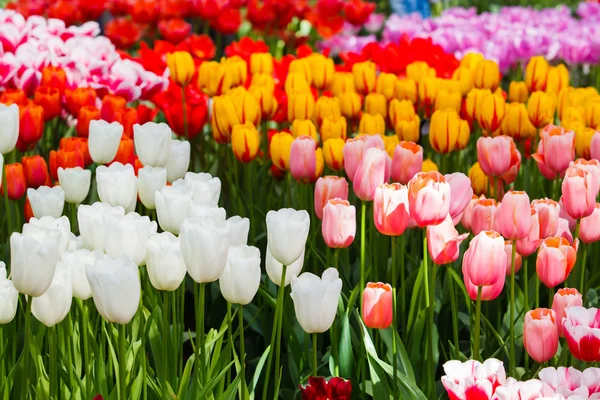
x=185, y=378
x=258, y=370
x=404, y=365
x=231, y=391
x=415, y=298
x=346, y=357
x=136, y=386
x=208, y=387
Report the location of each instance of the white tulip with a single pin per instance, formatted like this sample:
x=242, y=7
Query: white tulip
x=165, y=264
x=202, y=210
x=52, y=307
x=91, y=223
x=316, y=299
x=116, y=185
x=76, y=183
x=104, y=140
x=237, y=229
x=46, y=201
x=75, y=262
x=128, y=236
x=179, y=160
x=287, y=231
x=275, y=268
x=61, y=225
x=150, y=181
x=172, y=204
x=75, y=243
x=241, y=277
x=204, y=243
x=153, y=143
x=9, y=127
x=33, y=258
x=9, y=297
x=116, y=288
x=204, y=187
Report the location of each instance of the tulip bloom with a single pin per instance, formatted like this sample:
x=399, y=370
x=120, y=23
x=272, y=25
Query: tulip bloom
x=443, y=242
x=304, y=127
x=485, y=260
x=75, y=261
x=150, y=180
x=245, y=142
x=556, y=150
x=461, y=194
x=516, y=123
x=315, y=299
x=370, y=173
x=541, y=107
x=353, y=153
x=240, y=279
x=31, y=126
x=512, y=216
x=54, y=304
x=472, y=379
x=548, y=213
x=447, y=132
x=116, y=185
x=518, y=92
x=530, y=243
x=86, y=115
x=582, y=331
x=224, y=118
x=540, y=334
x=91, y=223
x=46, y=201
x=153, y=143
x=329, y=188
x=494, y=154
x=564, y=298
x=365, y=75
x=104, y=139
x=9, y=296
x=390, y=209
x=300, y=106
x=333, y=153
x=36, y=171
x=406, y=162
x=275, y=269
x=181, y=67
x=15, y=181
x=9, y=127
x=579, y=190
x=491, y=112
x=428, y=198
x=318, y=388
x=377, y=305
x=327, y=107
x=49, y=99
x=280, y=149
x=590, y=227
x=172, y=203
x=555, y=260
x=287, y=231
x=483, y=217
x=179, y=160
x=486, y=75
x=339, y=223
x=303, y=159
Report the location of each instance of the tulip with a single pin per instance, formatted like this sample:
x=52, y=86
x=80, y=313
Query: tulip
x=49, y=99
x=483, y=216
x=365, y=75
x=536, y=73
x=296, y=82
x=179, y=160
x=401, y=110
x=488, y=293
x=407, y=161
x=343, y=82
x=326, y=107
x=75, y=261
x=240, y=279
x=540, y=334
x=386, y=85
x=60, y=225
x=350, y=104
x=579, y=190
x=468, y=213
x=335, y=127
x=204, y=243
x=91, y=223
x=36, y=171
x=564, y=298
x=443, y=242
x=494, y=154
x=212, y=212
x=301, y=106
x=246, y=106
x=339, y=223
x=181, y=67
x=590, y=227
x=541, y=107
x=376, y=103
x=53, y=77
x=518, y=92
x=329, y=188
x=237, y=230
x=9, y=297
x=447, y=131
x=479, y=180
x=548, y=212
x=164, y=261
x=529, y=244
x=582, y=332
x=79, y=98
x=461, y=194
x=377, y=305
x=214, y=78
x=555, y=260
x=275, y=269
x=419, y=70
x=287, y=231
x=172, y=203
x=428, y=198
x=516, y=123
x=564, y=382
x=406, y=89
x=448, y=100
x=116, y=185
x=485, y=260
x=429, y=166
x=261, y=63
x=473, y=103
x=333, y=153
x=428, y=90
x=304, y=127
x=104, y=140
x=205, y=188
x=555, y=150
x=591, y=166
x=353, y=153
x=322, y=70
x=65, y=159
x=128, y=235
x=116, y=288
x=47, y=201
x=595, y=146
x=280, y=149
x=54, y=304
x=512, y=216
x=31, y=126
x=315, y=299
x=303, y=162
x=9, y=127
x=486, y=75
x=34, y=255
x=224, y=118
x=335, y=388
x=266, y=100
x=150, y=181
x=390, y=209
x=371, y=124
x=472, y=378
x=153, y=143
x=370, y=173
x=492, y=109
x=518, y=258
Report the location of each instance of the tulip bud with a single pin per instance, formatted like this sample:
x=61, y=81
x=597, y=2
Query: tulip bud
x=304, y=127
x=517, y=92
x=464, y=76
x=9, y=127
x=407, y=161
x=516, y=123
x=104, y=140
x=204, y=243
x=91, y=223
x=579, y=190
x=261, y=63
x=49, y=99
x=54, y=304
x=280, y=149
x=406, y=89
x=47, y=201
x=372, y=124
x=179, y=160
x=564, y=298
x=540, y=334
x=113, y=108
x=419, y=70
x=31, y=126
x=238, y=69
x=473, y=103
x=303, y=162
x=240, y=279
x=386, y=85
x=485, y=260
x=214, y=78
x=333, y=128
x=296, y=83
x=224, y=118
x=390, y=209
x=150, y=180
x=364, y=74
x=429, y=198
x=555, y=260
x=75, y=183
x=128, y=236
x=486, y=75
x=343, y=82
x=443, y=242
x=153, y=143
x=530, y=243
x=326, y=107
x=116, y=185
x=409, y=130
x=246, y=105
x=300, y=106
x=165, y=264
x=322, y=70
x=339, y=223
x=448, y=100
x=536, y=73
x=75, y=261
x=512, y=216
x=370, y=173
x=491, y=112
x=377, y=305
x=541, y=107
x=287, y=231
x=315, y=299
x=15, y=181
x=36, y=171
x=329, y=188
x=375, y=103
x=495, y=154
x=461, y=194
x=115, y=287
x=245, y=142
x=350, y=104
x=9, y=297
x=428, y=90
x=172, y=203
x=447, y=131
x=237, y=230
x=266, y=100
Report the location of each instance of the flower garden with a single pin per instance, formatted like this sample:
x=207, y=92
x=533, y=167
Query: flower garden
x=259, y=199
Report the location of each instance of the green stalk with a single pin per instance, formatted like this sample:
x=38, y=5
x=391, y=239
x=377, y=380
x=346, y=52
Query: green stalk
x=512, y=308
x=431, y=312
x=402, y=280
x=52, y=348
x=363, y=218
x=582, y=277
x=166, y=334
x=281, y=297
x=242, y=351
x=454, y=317
x=526, y=284
x=477, y=324
x=229, y=340
x=25, y=389
x=200, y=334
x=315, y=365
x=122, y=362
x=425, y=271
x=394, y=320
x=86, y=347
x=537, y=293
x=334, y=337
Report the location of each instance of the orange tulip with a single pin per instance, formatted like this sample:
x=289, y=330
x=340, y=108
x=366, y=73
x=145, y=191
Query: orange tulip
x=54, y=77
x=49, y=99
x=113, y=108
x=126, y=153
x=65, y=159
x=13, y=96
x=36, y=171
x=31, y=126
x=78, y=98
x=77, y=144
x=85, y=116
x=377, y=305
x=15, y=181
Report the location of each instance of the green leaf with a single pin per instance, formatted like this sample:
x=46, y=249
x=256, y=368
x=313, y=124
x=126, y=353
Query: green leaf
x=346, y=357
x=258, y=370
x=404, y=364
x=207, y=389
x=185, y=379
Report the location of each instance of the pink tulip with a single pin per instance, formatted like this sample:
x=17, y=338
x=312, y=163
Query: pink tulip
x=591, y=166
x=523, y=390
x=562, y=213
x=461, y=194
x=540, y=334
x=488, y=293
x=390, y=209
x=483, y=216
x=339, y=223
x=353, y=152
x=485, y=260
x=591, y=379
x=443, y=242
x=369, y=174
x=590, y=227
x=303, y=160
x=564, y=381
x=377, y=305
x=327, y=188
x=555, y=260
x=548, y=214
x=428, y=198
x=564, y=230
x=564, y=298
x=558, y=147
x=518, y=258
x=513, y=216
x=494, y=154
x=468, y=212
x=407, y=161
x=472, y=379
x=373, y=141
x=595, y=146
x=582, y=331
x=579, y=193
x=531, y=242
x=539, y=158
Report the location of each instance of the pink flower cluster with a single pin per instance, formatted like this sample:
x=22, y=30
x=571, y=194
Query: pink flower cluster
x=487, y=380
x=89, y=60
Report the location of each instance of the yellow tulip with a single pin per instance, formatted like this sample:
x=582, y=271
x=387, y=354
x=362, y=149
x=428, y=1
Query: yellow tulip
x=333, y=151
x=320, y=163
x=245, y=142
x=371, y=124
x=333, y=128
x=246, y=106
x=386, y=85
x=301, y=66
x=304, y=127
x=447, y=132
x=516, y=122
x=429, y=165
x=342, y=82
x=464, y=77
x=401, y=110
x=592, y=112
x=326, y=107
x=583, y=141
x=238, y=69
x=301, y=106
x=408, y=130
x=364, y=74
x=322, y=70
x=428, y=89
x=471, y=61
x=261, y=63
x=214, y=79
x=576, y=113
x=445, y=99
x=181, y=67
x=406, y=89
x=517, y=92
x=375, y=103
x=224, y=118
x=266, y=100
x=487, y=75
x=296, y=83
x=473, y=102
x=263, y=80
x=479, y=180
x=419, y=70
x=536, y=73
x=390, y=143
x=350, y=104
x=541, y=107
x=280, y=148
x=493, y=109
x=558, y=79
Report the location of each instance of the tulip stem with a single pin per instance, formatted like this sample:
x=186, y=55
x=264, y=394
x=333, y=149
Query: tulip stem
x=394, y=319
x=425, y=271
x=363, y=218
x=200, y=358
x=52, y=348
x=525, y=285
x=25, y=391
x=402, y=279
x=280, y=304
x=315, y=365
x=454, y=316
x=431, y=312
x=229, y=340
x=242, y=351
x=122, y=362
x=582, y=277
x=512, y=307
x=86, y=346
x=334, y=342
x=475, y=355
x=165, y=315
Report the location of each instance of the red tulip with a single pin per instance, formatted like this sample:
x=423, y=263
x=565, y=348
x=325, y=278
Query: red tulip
x=329, y=188
x=123, y=32
x=357, y=11
x=15, y=181
x=335, y=389
x=174, y=30
x=31, y=126
x=377, y=305
x=113, y=108
x=36, y=171
x=582, y=331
